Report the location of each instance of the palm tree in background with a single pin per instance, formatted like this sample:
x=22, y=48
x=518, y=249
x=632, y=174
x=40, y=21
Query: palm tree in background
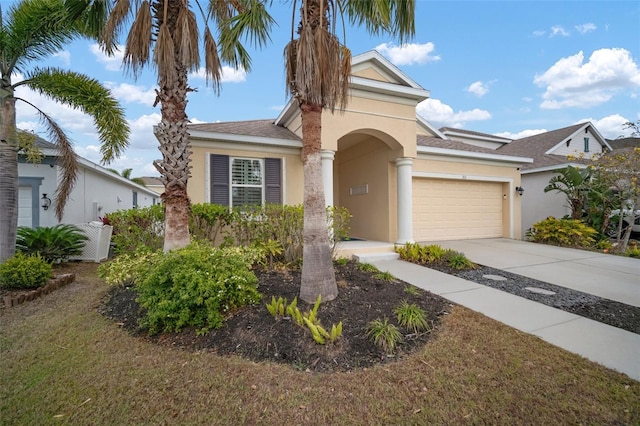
x=165, y=34
x=318, y=67
x=31, y=31
x=126, y=173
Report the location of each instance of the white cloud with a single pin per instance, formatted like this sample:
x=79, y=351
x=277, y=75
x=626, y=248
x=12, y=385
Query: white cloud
x=111, y=63
x=610, y=127
x=142, y=136
x=434, y=111
x=521, y=134
x=64, y=56
x=558, y=30
x=229, y=75
x=478, y=88
x=131, y=93
x=586, y=28
x=409, y=53
x=571, y=82
x=539, y=33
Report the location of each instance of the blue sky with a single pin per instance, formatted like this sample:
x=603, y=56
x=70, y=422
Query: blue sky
x=511, y=68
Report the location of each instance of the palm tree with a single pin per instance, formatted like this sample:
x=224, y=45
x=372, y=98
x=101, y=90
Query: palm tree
x=164, y=34
x=318, y=67
x=126, y=173
x=31, y=31
x=573, y=183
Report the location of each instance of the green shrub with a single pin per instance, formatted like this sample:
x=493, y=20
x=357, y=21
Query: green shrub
x=24, y=271
x=417, y=253
x=411, y=317
x=562, y=232
x=129, y=268
x=209, y=221
x=53, y=243
x=384, y=334
x=457, y=260
x=283, y=224
x=137, y=227
x=196, y=286
x=633, y=252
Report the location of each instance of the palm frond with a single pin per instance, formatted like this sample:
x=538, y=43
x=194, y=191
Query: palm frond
x=212, y=64
x=114, y=23
x=88, y=95
x=67, y=160
x=250, y=22
x=164, y=57
x=187, y=39
x=138, y=45
x=34, y=30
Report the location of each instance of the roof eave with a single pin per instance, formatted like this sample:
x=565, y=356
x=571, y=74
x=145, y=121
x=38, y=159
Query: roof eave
x=474, y=155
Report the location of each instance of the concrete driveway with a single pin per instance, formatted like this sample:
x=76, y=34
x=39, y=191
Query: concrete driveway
x=604, y=275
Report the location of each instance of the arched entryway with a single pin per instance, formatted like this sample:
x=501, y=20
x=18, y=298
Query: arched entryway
x=365, y=183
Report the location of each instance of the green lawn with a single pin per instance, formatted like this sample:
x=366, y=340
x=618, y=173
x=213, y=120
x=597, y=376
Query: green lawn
x=61, y=362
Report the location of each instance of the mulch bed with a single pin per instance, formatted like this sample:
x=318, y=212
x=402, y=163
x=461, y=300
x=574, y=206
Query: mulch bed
x=253, y=333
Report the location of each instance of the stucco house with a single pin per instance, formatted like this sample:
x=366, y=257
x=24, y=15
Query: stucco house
x=551, y=151
x=400, y=178
x=97, y=191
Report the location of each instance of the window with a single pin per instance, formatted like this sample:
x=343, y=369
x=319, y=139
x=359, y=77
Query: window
x=135, y=199
x=586, y=144
x=237, y=181
x=246, y=182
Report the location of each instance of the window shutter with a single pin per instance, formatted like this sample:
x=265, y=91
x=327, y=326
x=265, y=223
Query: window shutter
x=220, y=179
x=273, y=181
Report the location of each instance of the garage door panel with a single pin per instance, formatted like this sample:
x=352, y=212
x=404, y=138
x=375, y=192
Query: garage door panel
x=456, y=209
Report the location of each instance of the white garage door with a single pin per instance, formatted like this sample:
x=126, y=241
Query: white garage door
x=24, y=206
x=456, y=209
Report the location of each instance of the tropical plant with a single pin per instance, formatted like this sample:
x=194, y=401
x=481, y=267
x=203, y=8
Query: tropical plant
x=24, y=271
x=573, y=183
x=165, y=35
x=384, y=334
x=53, y=243
x=412, y=317
x=31, y=31
x=126, y=173
x=562, y=232
x=318, y=67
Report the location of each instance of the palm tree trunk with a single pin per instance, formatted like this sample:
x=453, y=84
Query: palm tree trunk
x=174, y=139
x=8, y=179
x=318, y=276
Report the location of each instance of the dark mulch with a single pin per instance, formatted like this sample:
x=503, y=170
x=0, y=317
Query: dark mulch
x=253, y=333
x=610, y=312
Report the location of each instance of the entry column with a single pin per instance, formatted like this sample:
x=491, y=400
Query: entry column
x=327, y=157
x=404, y=169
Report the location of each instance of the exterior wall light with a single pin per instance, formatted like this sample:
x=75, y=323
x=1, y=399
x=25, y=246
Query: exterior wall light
x=519, y=190
x=46, y=202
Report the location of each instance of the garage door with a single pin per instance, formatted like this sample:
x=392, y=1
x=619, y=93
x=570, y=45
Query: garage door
x=456, y=209
x=24, y=206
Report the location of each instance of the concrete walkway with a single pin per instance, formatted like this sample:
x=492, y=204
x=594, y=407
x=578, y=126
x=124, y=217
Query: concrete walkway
x=608, y=276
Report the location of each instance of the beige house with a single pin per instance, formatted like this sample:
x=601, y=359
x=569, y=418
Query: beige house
x=400, y=178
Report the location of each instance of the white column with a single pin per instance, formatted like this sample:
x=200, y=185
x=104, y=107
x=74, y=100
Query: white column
x=404, y=169
x=327, y=157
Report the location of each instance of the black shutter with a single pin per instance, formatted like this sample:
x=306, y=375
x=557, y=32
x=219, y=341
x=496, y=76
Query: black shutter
x=220, y=179
x=273, y=181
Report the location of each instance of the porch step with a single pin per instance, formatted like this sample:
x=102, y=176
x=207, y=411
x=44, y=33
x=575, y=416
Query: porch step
x=375, y=257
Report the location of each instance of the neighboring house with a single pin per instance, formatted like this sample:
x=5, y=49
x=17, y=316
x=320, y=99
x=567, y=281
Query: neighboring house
x=401, y=179
x=552, y=151
x=624, y=143
x=153, y=183
x=97, y=191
